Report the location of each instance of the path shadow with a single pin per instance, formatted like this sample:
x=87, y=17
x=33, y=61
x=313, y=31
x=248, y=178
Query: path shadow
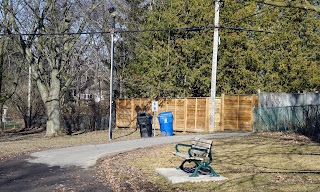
x=19, y=175
x=200, y=172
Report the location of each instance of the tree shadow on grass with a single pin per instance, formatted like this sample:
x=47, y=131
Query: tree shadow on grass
x=24, y=131
x=126, y=135
x=18, y=134
x=294, y=172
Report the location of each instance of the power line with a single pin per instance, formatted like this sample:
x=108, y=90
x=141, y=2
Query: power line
x=54, y=34
x=252, y=30
x=135, y=31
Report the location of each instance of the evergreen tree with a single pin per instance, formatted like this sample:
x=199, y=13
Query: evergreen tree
x=282, y=57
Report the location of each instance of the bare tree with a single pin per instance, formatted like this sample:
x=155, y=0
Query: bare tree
x=10, y=60
x=49, y=55
x=19, y=101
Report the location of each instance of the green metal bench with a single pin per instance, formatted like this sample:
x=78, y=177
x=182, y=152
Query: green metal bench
x=199, y=153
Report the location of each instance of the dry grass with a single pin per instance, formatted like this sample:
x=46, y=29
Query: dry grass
x=260, y=162
x=14, y=143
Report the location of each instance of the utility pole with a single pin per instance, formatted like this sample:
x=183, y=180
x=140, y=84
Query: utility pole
x=112, y=11
x=214, y=66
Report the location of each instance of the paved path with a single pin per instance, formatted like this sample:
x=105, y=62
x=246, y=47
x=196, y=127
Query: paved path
x=68, y=169
x=86, y=156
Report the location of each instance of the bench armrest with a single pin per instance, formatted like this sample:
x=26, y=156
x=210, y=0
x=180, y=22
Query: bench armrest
x=180, y=144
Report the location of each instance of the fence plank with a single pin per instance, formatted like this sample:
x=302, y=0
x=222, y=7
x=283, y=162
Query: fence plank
x=222, y=112
x=207, y=115
x=132, y=113
x=252, y=117
x=117, y=118
x=238, y=101
x=175, y=113
x=195, y=115
x=185, y=113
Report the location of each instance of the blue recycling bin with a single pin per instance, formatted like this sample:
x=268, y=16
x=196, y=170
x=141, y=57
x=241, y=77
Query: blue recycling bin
x=165, y=121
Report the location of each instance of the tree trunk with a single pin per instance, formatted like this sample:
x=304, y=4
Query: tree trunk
x=53, y=121
x=50, y=96
x=1, y=113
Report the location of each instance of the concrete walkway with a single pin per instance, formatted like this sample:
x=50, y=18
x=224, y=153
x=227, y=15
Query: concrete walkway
x=87, y=156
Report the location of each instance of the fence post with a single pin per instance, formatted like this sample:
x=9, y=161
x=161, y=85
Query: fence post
x=117, y=112
x=238, y=112
x=195, y=115
x=132, y=113
x=259, y=98
x=222, y=112
x=252, y=115
x=207, y=115
x=253, y=119
x=175, y=113
x=185, y=114
x=305, y=99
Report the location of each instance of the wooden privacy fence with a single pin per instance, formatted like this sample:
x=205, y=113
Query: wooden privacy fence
x=237, y=112
x=190, y=114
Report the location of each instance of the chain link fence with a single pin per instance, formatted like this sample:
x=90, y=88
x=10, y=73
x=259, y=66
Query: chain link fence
x=9, y=122
x=297, y=119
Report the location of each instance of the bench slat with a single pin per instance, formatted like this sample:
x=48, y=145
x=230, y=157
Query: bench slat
x=201, y=145
x=186, y=156
x=200, y=153
x=203, y=141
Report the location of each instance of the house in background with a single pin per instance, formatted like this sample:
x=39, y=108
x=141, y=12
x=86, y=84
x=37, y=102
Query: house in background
x=90, y=86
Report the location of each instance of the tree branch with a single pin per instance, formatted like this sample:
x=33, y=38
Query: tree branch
x=293, y=4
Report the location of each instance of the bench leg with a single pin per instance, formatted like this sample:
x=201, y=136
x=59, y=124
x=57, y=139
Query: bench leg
x=213, y=174
x=198, y=166
x=195, y=173
x=204, y=165
x=181, y=166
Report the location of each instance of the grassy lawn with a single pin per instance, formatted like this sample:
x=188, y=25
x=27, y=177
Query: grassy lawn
x=260, y=162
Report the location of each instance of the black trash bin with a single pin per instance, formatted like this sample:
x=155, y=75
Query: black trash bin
x=145, y=124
